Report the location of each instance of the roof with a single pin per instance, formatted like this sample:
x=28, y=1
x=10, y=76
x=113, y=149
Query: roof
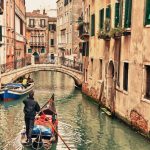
x=35, y=14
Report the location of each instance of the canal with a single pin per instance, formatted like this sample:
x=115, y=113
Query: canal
x=81, y=124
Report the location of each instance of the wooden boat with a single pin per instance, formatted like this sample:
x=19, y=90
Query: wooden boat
x=14, y=91
x=45, y=128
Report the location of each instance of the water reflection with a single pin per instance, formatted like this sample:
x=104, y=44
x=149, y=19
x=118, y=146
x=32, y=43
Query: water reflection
x=81, y=124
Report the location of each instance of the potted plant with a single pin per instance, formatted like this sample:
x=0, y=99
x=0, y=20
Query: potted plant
x=103, y=35
x=116, y=32
x=105, y=32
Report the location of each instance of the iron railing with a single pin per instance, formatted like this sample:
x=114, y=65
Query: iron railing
x=41, y=60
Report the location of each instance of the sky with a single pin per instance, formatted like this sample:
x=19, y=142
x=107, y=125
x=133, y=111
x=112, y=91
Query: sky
x=41, y=4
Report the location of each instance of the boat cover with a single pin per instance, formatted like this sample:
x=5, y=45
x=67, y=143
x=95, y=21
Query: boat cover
x=44, y=131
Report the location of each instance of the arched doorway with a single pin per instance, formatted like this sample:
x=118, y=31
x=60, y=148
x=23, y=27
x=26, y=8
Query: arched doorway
x=36, y=58
x=110, y=86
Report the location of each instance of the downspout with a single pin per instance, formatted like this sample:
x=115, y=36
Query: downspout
x=15, y=65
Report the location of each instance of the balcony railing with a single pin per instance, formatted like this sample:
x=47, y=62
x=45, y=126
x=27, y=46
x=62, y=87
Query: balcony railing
x=37, y=44
x=83, y=28
x=41, y=60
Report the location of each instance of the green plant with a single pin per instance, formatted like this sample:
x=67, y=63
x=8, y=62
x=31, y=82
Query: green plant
x=117, y=32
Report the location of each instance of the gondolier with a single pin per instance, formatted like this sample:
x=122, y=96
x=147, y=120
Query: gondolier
x=30, y=109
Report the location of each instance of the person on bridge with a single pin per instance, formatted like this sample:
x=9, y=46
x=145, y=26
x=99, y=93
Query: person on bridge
x=30, y=109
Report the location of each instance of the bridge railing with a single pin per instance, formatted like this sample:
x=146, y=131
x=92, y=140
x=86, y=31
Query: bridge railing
x=15, y=64
x=41, y=60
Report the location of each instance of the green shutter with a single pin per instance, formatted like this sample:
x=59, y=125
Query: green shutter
x=93, y=25
x=43, y=50
x=147, y=13
x=29, y=50
x=117, y=14
x=108, y=12
x=0, y=33
x=128, y=10
x=101, y=19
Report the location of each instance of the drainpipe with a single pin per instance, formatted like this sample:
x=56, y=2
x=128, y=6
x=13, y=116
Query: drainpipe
x=15, y=66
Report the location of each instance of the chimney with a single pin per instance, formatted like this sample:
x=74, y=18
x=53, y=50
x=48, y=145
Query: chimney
x=44, y=12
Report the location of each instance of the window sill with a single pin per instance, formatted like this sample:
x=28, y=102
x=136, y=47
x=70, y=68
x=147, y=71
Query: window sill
x=100, y=81
x=147, y=26
x=90, y=78
x=145, y=100
x=125, y=92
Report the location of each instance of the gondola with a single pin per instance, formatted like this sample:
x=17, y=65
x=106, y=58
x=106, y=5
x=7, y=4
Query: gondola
x=45, y=128
x=14, y=91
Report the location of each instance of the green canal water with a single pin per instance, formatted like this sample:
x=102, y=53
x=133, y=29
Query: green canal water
x=81, y=124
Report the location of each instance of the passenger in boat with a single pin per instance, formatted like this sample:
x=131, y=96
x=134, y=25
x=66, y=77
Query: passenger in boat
x=29, y=80
x=30, y=109
x=24, y=82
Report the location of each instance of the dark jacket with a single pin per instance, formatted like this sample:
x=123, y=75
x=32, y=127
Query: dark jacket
x=30, y=108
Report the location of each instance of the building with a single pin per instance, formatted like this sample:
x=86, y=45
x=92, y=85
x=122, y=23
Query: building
x=20, y=28
x=2, y=33
x=118, y=73
x=37, y=35
x=68, y=12
x=12, y=30
x=52, y=36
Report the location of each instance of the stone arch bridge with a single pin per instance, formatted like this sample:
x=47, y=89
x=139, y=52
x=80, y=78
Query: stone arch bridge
x=13, y=75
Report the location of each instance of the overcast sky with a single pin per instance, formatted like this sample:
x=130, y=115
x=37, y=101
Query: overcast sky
x=41, y=4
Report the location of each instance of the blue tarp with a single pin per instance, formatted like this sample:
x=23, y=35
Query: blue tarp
x=45, y=131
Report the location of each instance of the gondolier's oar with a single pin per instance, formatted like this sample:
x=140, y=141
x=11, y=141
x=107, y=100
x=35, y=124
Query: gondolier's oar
x=45, y=105
x=58, y=134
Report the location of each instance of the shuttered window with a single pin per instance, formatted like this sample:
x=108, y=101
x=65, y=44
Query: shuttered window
x=147, y=12
x=125, y=76
x=29, y=50
x=43, y=50
x=128, y=10
x=147, y=92
x=117, y=14
x=101, y=19
x=93, y=25
x=108, y=12
x=1, y=33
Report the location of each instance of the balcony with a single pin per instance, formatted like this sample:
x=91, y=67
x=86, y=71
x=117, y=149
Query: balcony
x=37, y=44
x=83, y=28
x=62, y=46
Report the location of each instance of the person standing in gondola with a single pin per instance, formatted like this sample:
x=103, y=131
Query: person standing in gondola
x=30, y=109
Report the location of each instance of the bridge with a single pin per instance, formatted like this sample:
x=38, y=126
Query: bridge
x=11, y=76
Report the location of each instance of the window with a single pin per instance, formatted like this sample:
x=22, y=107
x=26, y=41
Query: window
x=93, y=25
x=100, y=69
x=52, y=27
x=147, y=12
x=125, y=76
x=31, y=23
x=91, y=66
x=18, y=25
x=1, y=33
x=29, y=50
x=108, y=12
x=42, y=23
x=1, y=6
x=128, y=10
x=21, y=27
x=101, y=19
x=43, y=50
x=117, y=14
x=65, y=2
x=147, y=92
x=52, y=42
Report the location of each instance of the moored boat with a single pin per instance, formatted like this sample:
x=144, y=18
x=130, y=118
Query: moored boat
x=14, y=91
x=45, y=127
